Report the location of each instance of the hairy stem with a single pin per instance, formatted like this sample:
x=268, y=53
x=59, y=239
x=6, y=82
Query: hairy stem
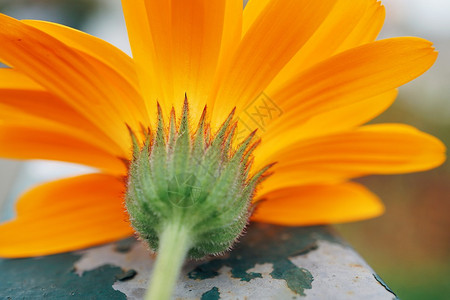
x=175, y=242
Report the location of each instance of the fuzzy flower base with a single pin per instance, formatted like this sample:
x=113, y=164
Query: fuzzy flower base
x=196, y=180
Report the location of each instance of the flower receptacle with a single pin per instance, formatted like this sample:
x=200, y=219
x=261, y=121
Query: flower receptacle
x=193, y=179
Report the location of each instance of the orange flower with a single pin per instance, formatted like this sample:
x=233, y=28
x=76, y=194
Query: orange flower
x=307, y=74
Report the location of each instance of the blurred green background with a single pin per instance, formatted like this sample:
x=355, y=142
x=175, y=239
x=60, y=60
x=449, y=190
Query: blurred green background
x=409, y=246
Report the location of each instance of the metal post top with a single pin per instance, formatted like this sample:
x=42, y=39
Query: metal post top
x=270, y=262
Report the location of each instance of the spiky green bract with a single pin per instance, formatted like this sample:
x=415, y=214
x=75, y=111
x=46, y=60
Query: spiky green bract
x=194, y=179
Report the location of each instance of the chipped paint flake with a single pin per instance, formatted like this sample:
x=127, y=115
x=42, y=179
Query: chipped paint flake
x=212, y=294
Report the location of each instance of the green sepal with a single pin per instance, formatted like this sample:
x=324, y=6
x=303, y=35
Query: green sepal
x=180, y=175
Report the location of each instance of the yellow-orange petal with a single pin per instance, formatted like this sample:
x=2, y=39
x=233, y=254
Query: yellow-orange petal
x=231, y=37
x=331, y=121
x=66, y=215
x=182, y=41
x=354, y=75
x=262, y=53
x=22, y=101
x=372, y=149
x=349, y=24
x=343, y=118
x=367, y=29
x=156, y=20
x=196, y=29
x=232, y=29
x=334, y=30
x=11, y=79
x=91, y=45
x=81, y=80
x=349, y=77
x=252, y=10
x=318, y=204
x=144, y=57
x=28, y=140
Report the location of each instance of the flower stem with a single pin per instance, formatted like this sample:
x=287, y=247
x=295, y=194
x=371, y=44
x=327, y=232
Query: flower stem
x=175, y=242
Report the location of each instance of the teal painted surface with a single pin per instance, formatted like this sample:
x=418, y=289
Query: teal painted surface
x=212, y=294
x=54, y=277
x=269, y=244
x=297, y=279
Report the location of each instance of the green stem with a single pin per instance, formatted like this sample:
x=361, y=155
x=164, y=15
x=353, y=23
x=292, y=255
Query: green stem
x=174, y=244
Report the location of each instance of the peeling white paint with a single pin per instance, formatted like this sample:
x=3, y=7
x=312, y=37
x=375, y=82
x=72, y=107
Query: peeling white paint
x=339, y=273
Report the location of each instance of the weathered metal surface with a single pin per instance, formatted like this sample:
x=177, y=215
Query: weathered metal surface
x=270, y=262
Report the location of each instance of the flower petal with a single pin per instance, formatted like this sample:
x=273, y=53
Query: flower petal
x=11, y=79
x=331, y=121
x=257, y=61
x=372, y=149
x=334, y=30
x=344, y=79
x=232, y=29
x=252, y=11
x=27, y=140
x=182, y=41
x=345, y=117
x=318, y=204
x=368, y=28
x=141, y=43
x=66, y=215
x=196, y=27
x=22, y=101
x=349, y=24
x=354, y=75
x=90, y=45
x=231, y=37
x=82, y=81
x=157, y=16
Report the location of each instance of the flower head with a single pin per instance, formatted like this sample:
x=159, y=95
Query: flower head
x=305, y=74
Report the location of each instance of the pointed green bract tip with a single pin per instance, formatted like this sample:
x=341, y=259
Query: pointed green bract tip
x=190, y=178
